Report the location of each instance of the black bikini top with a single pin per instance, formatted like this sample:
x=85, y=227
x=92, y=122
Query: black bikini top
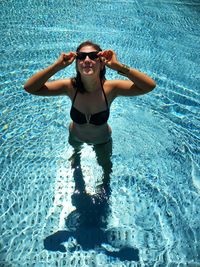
x=97, y=118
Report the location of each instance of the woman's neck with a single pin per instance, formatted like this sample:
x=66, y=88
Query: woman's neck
x=91, y=84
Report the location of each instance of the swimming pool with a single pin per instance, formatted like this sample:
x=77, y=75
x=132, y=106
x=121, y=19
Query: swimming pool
x=155, y=181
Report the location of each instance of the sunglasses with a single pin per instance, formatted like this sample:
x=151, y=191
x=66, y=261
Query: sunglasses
x=91, y=55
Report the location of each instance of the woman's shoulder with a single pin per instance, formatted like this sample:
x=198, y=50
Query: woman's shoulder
x=69, y=86
x=109, y=82
x=109, y=88
x=68, y=82
x=113, y=84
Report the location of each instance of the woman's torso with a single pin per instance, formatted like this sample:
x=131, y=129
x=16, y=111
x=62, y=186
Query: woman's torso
x=92, y=129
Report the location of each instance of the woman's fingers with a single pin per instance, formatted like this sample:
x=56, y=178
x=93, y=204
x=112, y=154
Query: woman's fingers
x=69, y=56
x=106, y=54
x=108, y=57
x=66, y=59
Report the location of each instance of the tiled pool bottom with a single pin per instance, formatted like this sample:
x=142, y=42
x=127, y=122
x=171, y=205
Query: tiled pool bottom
x=154, y=197
x=155, y=180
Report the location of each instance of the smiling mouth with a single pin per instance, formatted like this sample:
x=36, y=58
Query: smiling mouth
x=87, y=68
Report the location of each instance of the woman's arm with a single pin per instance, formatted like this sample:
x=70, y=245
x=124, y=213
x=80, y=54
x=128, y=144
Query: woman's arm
x=138, y=83
x=38, y=84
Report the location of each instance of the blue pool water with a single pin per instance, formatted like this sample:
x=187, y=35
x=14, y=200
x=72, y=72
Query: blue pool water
x=156, y=179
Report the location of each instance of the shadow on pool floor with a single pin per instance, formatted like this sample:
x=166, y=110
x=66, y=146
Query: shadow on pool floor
x=86, y=224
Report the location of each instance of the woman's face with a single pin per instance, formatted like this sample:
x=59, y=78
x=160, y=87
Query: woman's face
x=88, y=66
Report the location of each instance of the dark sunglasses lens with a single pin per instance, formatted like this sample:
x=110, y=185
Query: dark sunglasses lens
x=91, y=55
x=81, y=56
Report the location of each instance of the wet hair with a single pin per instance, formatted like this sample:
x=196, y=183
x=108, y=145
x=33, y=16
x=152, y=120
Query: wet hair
x=76, y=81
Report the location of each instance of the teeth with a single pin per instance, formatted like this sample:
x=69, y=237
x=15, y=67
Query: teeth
x=87, y=66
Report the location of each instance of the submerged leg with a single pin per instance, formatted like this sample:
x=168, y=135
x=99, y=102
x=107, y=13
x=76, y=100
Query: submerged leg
x=76, y=165
x=104, y=154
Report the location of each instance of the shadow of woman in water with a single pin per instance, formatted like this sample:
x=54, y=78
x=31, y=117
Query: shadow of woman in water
x=88, y=222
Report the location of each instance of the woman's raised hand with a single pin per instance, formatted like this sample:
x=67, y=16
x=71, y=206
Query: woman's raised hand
x=65, y=59
x=109, y=58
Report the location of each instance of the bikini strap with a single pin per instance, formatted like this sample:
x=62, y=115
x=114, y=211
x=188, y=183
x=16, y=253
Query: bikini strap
x=74, y=97
x=104, y=95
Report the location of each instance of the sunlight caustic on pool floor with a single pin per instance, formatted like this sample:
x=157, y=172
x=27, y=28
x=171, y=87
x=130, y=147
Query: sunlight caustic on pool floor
x=154, y=204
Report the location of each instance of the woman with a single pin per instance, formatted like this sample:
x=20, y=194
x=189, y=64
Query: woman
x=91, y=95
x=90, y=92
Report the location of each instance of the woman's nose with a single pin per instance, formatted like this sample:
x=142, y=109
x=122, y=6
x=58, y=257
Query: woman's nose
x=87, y=58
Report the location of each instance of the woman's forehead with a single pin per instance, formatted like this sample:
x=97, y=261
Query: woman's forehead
x=87, y=49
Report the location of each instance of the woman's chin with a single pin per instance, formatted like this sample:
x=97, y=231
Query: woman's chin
x=88, y=72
